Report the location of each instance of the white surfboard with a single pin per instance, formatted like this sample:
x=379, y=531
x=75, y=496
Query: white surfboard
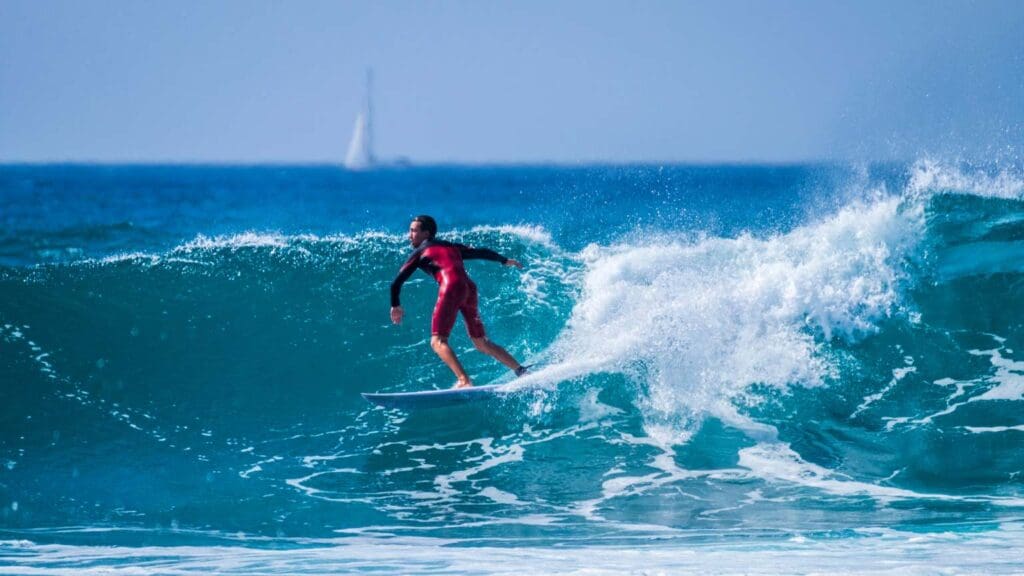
x=440, y=398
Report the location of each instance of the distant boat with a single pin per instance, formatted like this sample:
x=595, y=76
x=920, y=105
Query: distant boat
x=360, y=147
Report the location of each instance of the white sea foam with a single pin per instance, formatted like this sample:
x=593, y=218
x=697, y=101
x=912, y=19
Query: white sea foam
x=703, y=321
x=1005, y=384
x=257, y=239
x=129, y=257
x=871, y=552
x=929, y=176
x=500, y=496
x=993, y=429
x=249, y=239
x=1008, y=378
x=529, y=232
x=301, y=243
x=897, y=375
x=665, y=472
x=777, y=461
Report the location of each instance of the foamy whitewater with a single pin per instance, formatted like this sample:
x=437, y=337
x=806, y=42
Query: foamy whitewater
x=740, y=369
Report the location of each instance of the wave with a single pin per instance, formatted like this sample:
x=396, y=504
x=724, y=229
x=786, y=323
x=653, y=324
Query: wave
x=722, y=314
x=869, y=355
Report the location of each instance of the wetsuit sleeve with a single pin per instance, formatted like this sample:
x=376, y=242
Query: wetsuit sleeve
x=480, y=254
x=403, y=274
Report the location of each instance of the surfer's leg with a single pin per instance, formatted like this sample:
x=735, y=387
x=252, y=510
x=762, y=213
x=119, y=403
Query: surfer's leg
x=484, y=344
x=475, y=326
x=448, y=299
x=441, y=347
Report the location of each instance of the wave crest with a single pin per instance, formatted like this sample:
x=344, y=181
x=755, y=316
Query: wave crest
x=929, y=176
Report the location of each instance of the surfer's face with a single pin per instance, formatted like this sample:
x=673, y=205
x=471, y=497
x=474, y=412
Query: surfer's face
x=417, y=234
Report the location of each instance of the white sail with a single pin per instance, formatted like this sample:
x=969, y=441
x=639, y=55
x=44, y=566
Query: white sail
x=359, y=156
x=360, y=147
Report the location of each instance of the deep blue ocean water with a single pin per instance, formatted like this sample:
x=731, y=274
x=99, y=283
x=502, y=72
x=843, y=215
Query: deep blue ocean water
x=742, y=369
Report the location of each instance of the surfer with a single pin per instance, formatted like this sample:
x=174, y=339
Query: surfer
x=456, y=293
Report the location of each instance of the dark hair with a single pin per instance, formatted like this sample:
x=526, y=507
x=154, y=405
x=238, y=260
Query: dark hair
x=427, y=223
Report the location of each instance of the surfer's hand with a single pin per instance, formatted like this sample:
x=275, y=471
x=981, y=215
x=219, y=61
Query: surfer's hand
x=396, y=314
x=511, y=262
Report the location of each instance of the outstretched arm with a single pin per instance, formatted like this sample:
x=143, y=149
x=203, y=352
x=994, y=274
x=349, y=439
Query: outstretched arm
x=485, y=254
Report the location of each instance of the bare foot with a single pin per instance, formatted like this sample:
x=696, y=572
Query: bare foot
x=464, y=383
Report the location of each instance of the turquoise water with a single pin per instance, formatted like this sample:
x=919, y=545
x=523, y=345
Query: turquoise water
x=752, y=369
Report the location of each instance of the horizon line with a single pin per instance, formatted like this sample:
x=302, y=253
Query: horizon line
x=445, y=164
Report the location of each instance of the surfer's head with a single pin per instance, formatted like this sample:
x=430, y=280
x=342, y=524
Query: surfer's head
x=422, y=228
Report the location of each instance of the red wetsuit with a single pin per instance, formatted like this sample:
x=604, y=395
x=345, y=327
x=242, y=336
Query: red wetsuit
x=457, y=293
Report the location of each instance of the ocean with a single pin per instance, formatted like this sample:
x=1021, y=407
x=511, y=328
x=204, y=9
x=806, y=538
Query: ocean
x=809, y=368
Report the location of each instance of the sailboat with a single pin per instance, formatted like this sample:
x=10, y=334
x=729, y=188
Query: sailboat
x=360, y=147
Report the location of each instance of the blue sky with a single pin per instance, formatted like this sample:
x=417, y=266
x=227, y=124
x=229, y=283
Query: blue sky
x=480, y=82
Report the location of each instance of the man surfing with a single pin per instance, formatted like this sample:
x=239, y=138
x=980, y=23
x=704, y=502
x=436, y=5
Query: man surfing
x=456, y=293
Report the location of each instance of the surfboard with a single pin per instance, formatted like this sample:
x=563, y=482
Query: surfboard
x=439, y=398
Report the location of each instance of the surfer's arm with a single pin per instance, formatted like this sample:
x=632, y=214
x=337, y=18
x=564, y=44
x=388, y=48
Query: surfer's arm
x=396, y=286
x=483, y=254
